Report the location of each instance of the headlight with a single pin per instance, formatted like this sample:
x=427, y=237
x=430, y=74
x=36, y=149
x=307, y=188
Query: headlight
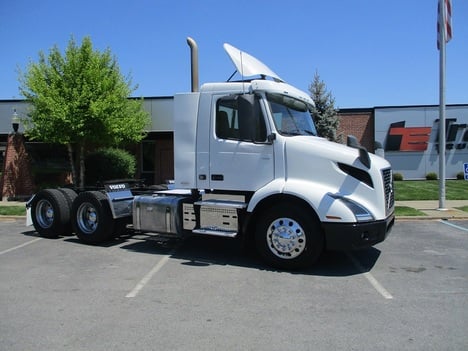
x=360, y=212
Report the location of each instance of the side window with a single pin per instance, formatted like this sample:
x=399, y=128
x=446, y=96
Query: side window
x=236, y=123
x=227, y=126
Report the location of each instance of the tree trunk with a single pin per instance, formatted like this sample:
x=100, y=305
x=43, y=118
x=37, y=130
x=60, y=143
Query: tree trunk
x=82, y=166
x=72, y=163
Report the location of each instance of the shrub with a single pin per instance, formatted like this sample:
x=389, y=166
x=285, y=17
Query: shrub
x=461, y=176
x=431, y=176
x=397, y=176
x=109, y=163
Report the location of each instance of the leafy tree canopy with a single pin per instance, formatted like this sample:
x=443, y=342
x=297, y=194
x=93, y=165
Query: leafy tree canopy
x=324, y=112
x=80, y=99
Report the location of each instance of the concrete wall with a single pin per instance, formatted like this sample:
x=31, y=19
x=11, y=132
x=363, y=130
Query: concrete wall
x=159, y=108
x=161, y=112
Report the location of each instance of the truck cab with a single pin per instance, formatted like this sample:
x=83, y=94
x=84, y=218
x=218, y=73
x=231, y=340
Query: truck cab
x=254, y=143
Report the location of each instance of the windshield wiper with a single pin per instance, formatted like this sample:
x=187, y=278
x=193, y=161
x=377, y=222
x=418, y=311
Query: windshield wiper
x=287, y=132
x=297, y=132
x=310, y=132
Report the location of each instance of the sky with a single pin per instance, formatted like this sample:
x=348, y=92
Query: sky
x=368, y=52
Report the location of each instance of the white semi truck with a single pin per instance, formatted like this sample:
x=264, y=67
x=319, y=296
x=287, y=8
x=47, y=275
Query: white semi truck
x=248, y=163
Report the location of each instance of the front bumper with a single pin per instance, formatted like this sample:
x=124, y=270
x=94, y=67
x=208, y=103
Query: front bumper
x=353, y=236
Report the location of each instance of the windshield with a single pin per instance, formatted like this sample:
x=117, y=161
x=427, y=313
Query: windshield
x=291, y=116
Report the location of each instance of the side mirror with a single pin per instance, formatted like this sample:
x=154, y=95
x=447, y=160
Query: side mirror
x=363, y=154
x=378, y=149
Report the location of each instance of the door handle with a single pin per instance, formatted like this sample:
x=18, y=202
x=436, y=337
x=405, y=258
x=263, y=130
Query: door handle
x=217, y=177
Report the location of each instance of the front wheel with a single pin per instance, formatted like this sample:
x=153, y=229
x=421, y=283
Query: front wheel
x=92, y=217
x=288, y=237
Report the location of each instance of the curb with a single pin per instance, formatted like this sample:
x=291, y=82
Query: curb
x=10, y=217
x=430, y=218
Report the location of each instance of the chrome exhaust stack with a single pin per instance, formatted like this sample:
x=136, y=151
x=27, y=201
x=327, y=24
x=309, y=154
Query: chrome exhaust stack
x=194, y=63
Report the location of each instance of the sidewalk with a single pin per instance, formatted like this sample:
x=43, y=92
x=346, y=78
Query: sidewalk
x=432, y=211
x=12, y=203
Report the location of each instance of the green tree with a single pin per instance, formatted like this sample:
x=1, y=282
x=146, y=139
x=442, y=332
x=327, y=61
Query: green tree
x=324, y=112
x=80, y=99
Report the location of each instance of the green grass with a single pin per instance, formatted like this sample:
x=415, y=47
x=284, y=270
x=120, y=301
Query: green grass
x=463, y=208
x=12, y=210
x=429, y=190
x=407, y=211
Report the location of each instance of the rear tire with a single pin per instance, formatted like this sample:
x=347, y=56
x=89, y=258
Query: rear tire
x=288, y=237
x=92, y=217
x=70, y=196
x=50, y=213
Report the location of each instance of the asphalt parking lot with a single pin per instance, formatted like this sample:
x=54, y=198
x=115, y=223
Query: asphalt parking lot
x=142, y=293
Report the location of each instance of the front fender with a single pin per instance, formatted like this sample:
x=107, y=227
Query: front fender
x=328, y=207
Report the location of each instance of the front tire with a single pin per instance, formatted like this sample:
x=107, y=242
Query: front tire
x=288, y=237
x=92, y=217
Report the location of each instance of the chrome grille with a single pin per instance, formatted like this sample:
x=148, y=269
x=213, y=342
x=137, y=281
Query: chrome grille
x=388, y=188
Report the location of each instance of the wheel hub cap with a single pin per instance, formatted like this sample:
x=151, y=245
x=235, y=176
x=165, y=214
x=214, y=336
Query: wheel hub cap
x=50, y=213
x=286, y=238
x=87, y=218
x=45, y=214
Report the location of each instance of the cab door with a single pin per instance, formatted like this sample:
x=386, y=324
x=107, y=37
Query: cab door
x=241, y=157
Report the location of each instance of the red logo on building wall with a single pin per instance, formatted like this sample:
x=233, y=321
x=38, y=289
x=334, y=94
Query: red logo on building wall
x=401, y=138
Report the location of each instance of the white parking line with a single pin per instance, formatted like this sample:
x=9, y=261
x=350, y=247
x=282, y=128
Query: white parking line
x=453, y=225
x=157, y=267
x=370, y=278
x=20, y=246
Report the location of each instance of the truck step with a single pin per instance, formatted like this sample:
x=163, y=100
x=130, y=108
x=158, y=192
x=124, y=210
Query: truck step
x=221, y=203
x=214, y=232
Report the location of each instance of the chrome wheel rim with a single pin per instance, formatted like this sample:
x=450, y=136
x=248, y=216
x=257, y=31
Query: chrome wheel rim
x=286, y=238
x=45, y=214
x=87, y=218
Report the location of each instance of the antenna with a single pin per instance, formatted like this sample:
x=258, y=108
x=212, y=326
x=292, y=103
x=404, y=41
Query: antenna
x=242, y=74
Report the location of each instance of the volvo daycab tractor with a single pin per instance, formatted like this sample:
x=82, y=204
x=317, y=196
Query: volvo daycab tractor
x=249, y=164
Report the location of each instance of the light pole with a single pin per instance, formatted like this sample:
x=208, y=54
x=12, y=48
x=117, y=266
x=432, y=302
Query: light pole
x=15, y=121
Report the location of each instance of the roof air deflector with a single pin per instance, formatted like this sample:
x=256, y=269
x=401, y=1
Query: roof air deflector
x=248, y=65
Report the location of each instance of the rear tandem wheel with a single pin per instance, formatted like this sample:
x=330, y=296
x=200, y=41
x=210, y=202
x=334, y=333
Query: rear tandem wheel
x=50, y=213
x=92, y=217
